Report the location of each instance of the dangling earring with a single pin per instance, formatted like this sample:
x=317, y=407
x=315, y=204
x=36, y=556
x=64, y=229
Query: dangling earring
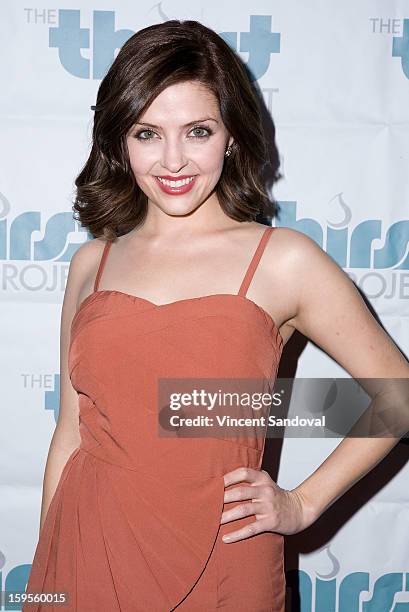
x=228, y=151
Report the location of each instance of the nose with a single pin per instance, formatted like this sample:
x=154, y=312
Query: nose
x=173, y=158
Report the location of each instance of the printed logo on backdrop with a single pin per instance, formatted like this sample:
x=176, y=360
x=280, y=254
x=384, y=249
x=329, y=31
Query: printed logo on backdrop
x=354, y=592
x=400, y=44
x=70, y=38
x=379, y=250
x=38, y=244
x=400, y=47
x=14, y=579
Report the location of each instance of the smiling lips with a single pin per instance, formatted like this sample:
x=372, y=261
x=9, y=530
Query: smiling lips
x=178, y=186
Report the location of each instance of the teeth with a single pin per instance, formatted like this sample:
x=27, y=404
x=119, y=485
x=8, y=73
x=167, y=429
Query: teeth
x=176, y=183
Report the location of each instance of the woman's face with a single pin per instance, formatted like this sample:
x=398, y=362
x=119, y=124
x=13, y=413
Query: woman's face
x=181, y=134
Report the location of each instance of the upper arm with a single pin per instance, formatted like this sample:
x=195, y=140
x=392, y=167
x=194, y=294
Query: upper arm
x=332, y=313
x=67, y=430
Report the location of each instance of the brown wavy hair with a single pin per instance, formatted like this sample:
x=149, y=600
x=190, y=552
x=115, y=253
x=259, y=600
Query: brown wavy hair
x=108, y=200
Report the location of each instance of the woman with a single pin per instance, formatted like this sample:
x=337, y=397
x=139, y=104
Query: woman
x=180, y=281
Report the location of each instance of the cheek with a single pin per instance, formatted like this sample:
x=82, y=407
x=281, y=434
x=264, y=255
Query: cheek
x=139, y=159
x=140, y=164
x=210, y=160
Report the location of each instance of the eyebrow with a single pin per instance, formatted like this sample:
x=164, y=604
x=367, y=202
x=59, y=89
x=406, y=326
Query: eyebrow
x=158, y=127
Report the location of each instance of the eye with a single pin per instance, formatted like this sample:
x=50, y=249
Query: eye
x=138, y=135
x=203, y=129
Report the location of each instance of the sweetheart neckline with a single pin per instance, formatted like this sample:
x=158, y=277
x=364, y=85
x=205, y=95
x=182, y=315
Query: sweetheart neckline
x=135, y=298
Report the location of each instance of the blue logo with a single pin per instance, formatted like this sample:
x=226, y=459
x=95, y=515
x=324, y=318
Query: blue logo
x=15, y=580
x=354, y=247
x=69, y=38
x=52, y=398
x=344, y=596
x=16, y=237
x=400, y=48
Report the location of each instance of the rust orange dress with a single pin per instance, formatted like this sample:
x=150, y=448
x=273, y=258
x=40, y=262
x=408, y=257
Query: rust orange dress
x=134, y=523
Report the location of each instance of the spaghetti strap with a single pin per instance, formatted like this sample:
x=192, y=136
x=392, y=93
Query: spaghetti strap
x=254, y=261
x=102, y=263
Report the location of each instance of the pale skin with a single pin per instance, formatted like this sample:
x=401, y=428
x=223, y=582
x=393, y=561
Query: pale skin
x=296, y=282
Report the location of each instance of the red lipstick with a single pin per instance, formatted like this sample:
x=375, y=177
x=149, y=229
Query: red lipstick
x=176, y=190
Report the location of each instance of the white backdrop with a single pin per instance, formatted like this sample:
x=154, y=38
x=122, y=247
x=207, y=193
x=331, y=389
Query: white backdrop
x=335, y=78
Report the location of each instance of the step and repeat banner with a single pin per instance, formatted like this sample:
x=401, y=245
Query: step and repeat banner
x=335, y=79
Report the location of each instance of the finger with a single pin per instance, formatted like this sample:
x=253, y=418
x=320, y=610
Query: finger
x=239, y=493
x=257, y=526
x=240, y=511
x=241, y=474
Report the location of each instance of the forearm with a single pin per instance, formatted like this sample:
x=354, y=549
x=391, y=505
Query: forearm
x=348, y=463
x=372, y=437
x=58, y=456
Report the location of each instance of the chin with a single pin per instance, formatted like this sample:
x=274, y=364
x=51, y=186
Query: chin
x=178, y=211
x=176, y=208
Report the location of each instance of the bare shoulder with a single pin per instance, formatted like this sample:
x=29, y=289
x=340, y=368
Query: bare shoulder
x=292, y=253
x=86, y=254
x=294, y=243
x=83, y=266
